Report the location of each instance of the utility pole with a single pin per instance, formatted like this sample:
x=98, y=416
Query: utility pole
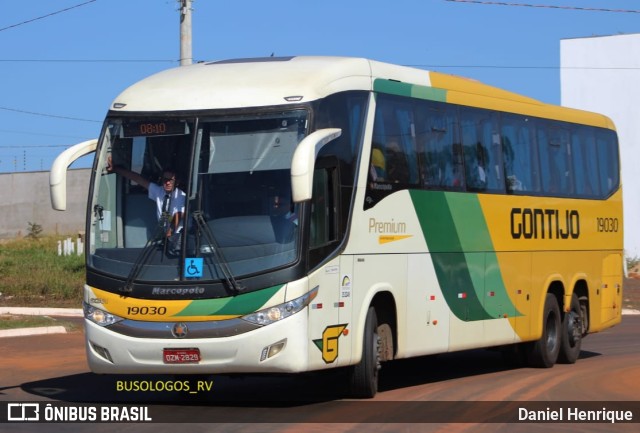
x=186, y=56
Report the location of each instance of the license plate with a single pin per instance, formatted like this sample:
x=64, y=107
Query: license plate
x=181, y=356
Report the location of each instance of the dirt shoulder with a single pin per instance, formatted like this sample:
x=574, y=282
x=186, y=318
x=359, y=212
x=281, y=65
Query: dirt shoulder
x=631, y=294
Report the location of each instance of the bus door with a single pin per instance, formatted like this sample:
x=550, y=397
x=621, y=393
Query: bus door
x=327, y=325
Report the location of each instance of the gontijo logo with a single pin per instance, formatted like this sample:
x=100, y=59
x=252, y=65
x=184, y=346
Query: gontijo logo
x=544, y=223
x=328, y=344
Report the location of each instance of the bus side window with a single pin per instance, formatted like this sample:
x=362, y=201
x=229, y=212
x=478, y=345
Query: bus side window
x=519, y=155
x=320, y=232
x=396, y=158
x=583, y=152
x=325, y=199
x=397, y=166
x=557, y=173
x=608, y=162
x=482, y=155
x=438, y=136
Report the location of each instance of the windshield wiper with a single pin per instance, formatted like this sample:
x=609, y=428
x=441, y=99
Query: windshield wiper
x=145, y=254
x=217, y=252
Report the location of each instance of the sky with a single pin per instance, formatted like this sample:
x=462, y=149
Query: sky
x=63, y=62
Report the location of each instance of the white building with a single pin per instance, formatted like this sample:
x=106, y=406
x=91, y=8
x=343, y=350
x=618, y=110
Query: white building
x=602, y=74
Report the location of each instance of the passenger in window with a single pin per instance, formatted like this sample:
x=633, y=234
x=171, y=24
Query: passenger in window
x=433, y=173
x=455, y=168
x=476, y=174
x=513, y=184
x=378, y=170
x=283, y=207
x=284, y=218
x=397, y=167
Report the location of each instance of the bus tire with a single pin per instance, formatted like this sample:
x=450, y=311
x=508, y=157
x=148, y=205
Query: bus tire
x=364, y=375
x=544, y=352
x=571, y=333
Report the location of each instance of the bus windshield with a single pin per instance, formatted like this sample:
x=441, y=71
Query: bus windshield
x=195, y=198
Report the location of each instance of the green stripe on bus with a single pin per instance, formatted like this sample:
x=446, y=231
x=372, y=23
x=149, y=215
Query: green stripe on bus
x=467, y=269
x=409, y=90
x=234, y=306
x=469, y=222
x=475, y=238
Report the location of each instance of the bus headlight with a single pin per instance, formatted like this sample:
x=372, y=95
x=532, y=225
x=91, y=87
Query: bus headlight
x=282, y=311
x=98, y=316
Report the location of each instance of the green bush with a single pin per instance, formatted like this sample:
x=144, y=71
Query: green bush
x=34, y=275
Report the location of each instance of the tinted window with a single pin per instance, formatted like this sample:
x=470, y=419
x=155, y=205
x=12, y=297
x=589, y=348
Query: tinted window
x=607, y=161
x=482, y=155
x=519, y=154
x=585, y=162
x=440, y=152
x=449, y=147
x=555, y=163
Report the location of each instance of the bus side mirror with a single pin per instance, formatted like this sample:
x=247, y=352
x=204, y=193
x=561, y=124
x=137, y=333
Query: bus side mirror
x=304, y=159
x=58, y=173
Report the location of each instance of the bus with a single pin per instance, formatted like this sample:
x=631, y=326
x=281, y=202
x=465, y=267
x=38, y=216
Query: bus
x=343, y=213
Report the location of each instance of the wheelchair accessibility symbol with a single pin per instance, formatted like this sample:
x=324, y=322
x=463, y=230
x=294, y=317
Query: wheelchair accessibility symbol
x=193, y=267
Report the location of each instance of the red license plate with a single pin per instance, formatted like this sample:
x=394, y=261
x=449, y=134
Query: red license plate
x=181, y=356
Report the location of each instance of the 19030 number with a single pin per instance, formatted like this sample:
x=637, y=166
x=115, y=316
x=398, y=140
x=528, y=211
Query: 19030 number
x=147, y=311
x=607, y=225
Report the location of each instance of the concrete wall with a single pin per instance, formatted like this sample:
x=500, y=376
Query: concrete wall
x=26, y=199
x=601, y=74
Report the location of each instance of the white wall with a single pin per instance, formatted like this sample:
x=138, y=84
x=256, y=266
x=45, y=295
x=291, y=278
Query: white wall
x=26, y=199
x=602, y=74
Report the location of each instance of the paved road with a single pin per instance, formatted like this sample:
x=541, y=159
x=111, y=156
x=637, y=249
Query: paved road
x=53, y=368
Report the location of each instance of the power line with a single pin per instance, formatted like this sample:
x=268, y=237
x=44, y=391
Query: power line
x=575, y=8
x=606, y=68
x=88, y=60
x=412, y=65
x=46, y=16
x=33, y=146
x=43, y=134
x=33, y=113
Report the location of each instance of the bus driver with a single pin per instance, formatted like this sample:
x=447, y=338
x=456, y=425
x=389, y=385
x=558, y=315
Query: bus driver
x=169, y=199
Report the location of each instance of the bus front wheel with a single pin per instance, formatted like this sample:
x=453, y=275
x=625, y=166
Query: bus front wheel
x=364, y=375
x=544, y=352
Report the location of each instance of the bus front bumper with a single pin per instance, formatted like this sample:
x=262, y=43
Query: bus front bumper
x=280, y=347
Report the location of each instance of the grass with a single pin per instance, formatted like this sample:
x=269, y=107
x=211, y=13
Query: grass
x=8, y=321
x=32, y=274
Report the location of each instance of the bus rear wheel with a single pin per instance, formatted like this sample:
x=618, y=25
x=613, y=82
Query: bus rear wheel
x=544, y=352
x=364, y=375
x=571, y=333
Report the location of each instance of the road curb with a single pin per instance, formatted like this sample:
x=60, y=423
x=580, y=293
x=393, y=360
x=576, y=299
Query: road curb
x=41, y=330
x=25, y=311
x=38, y=330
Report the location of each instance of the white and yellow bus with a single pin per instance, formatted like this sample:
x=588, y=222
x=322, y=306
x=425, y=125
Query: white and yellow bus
x=342, y=212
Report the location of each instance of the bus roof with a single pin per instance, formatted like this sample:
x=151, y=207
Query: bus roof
x=256, y=82
x=246, y=83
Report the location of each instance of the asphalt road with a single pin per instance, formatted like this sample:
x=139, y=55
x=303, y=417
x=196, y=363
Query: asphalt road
x=453, y=388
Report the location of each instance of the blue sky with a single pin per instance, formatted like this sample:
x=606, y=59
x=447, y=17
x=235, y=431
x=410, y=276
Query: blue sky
x=59, y=74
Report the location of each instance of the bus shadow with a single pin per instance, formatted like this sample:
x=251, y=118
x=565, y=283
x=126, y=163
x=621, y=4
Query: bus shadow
x=448, y=366
x=264, y=390
x=243, y=391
